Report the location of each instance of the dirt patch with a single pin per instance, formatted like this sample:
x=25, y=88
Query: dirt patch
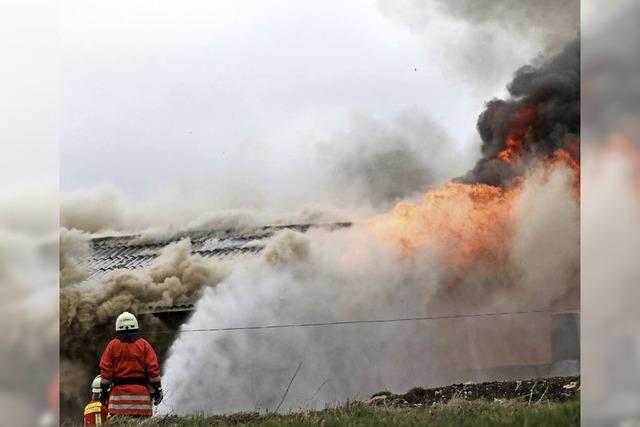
x=555, y=389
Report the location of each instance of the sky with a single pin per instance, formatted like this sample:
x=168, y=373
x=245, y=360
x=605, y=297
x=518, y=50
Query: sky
x=154, y=93
x=28, y=83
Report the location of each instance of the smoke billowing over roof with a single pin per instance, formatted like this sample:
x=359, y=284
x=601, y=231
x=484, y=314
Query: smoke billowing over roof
x=541, y=117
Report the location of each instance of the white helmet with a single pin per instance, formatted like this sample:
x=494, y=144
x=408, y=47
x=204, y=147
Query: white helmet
x=126, y=321
x=95, y=385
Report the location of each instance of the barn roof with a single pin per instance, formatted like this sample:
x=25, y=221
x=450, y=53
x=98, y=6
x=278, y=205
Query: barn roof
x=137, y=251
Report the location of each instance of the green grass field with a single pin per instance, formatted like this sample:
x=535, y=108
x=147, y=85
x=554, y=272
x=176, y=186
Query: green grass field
x=452, y=414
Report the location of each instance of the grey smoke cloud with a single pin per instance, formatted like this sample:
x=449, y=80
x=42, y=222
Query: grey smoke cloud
x=87, y=311
x=363, y=168
x=380, y=163
x=555, y=22
x=74, y=247
x=484, y=40
x=348, y=274
x=610, y=74
x=28, y=298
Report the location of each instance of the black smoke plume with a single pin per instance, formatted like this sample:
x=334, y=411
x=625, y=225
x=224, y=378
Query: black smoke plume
x=542, y=114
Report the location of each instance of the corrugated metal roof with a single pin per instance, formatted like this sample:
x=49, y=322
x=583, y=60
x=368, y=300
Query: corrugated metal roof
x=135, y=251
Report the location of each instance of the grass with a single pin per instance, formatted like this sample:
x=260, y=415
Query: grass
x=452, y=414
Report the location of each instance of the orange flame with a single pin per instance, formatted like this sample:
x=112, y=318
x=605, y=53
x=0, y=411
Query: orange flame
x=515, y=146
x=569, y=157
x=462, y=222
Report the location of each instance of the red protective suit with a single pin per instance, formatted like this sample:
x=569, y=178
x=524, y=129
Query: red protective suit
x=130, y=366
x=95, y=413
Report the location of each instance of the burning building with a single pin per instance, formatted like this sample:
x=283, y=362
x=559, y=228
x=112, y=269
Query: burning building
x=484, y=270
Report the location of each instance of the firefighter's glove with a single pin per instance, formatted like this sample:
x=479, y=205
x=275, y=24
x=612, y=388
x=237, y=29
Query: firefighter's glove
x=157, y=394
x=104, y=394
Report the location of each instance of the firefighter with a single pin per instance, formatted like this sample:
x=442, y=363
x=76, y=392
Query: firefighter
x=129, y=366
x=95, y=413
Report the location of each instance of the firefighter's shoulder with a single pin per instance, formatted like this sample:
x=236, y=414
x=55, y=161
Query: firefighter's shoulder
x=111, y=343
x=146, y=343
x=93, y=407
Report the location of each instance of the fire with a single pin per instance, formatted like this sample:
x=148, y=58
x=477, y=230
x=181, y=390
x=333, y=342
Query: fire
x=514, y=143
x=466, y=223
x=565, y=157
x=462, y=222
x=569, y=157
x=514, y=148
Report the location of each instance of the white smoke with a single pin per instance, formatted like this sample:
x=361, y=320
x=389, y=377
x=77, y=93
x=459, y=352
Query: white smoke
x=349, y=275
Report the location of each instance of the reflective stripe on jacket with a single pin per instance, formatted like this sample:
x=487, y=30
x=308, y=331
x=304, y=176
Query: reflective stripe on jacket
x=130, y=399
